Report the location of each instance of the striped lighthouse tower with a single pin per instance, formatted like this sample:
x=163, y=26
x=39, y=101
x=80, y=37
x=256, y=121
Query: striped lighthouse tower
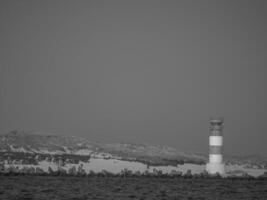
x=215, y=164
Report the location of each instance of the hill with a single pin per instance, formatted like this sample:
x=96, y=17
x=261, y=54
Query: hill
x=19, y=149
x=34, y=143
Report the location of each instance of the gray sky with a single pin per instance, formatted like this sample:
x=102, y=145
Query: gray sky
x=138, y=71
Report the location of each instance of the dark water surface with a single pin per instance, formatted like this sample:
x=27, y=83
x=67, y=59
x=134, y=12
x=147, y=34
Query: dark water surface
x=54, y=188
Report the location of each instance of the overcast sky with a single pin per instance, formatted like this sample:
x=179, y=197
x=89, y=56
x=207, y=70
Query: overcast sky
x=136, y=71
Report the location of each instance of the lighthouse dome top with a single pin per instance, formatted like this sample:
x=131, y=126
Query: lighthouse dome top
x=216, y=120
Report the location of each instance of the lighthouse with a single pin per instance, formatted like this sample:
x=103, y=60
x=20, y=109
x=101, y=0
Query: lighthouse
x=216, y=164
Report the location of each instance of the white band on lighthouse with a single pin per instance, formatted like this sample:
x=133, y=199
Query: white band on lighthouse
x=214, y=168
x=216, y=140
x=215, y=158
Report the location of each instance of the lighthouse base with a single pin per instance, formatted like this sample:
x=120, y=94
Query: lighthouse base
x=213, y=168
